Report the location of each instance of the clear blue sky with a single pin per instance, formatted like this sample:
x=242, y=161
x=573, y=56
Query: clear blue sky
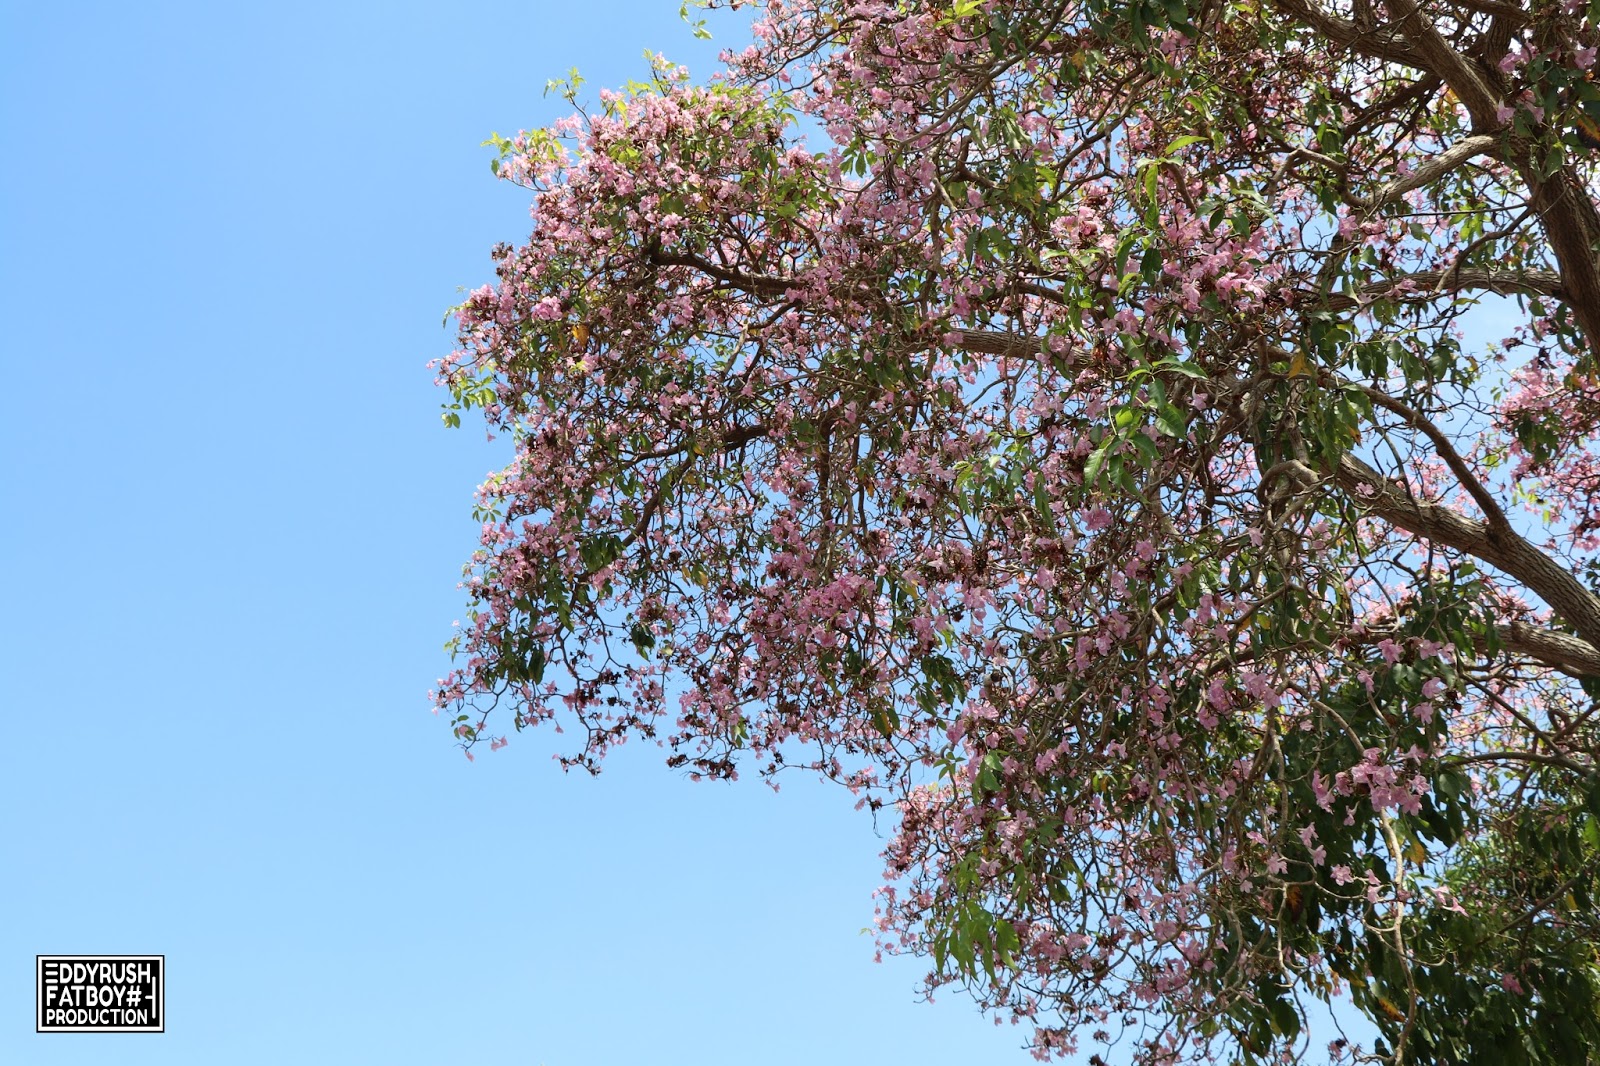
x=233, y=528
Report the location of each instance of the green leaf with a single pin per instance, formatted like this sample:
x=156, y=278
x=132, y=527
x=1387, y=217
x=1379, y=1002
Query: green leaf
x=1096, y=462
x=1183, y=142
x=1041, y=500
x=1170, y=421
x=1178, y=366
x=1149, y=454
x=886, y=720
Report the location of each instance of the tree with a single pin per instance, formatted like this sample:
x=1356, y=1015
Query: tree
x=1087, y=455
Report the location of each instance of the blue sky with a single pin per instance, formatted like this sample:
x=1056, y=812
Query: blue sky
x=233, y=531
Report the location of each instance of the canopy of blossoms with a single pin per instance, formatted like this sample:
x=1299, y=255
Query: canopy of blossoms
x=1075, y=446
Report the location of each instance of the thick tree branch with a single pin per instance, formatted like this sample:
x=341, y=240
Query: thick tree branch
x=1563, y=651
x=1549, y=647
x=1434, y=282
x=1502, y=548
x=755, y=284
x=1384, y=44
x=1495, y=517
x=1440, y=58
x=1433, y=169
x=1572, y=227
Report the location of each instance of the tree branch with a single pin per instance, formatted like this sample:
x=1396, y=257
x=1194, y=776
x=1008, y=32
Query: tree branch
x=1563, y=651
x=1437, y=56
x=1500, y=282
x=1495, y=517
x=1433, y=169
x=1504, y=549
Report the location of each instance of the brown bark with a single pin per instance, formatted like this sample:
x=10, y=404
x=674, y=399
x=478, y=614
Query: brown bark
x=1502, y=548
x=1563, y=651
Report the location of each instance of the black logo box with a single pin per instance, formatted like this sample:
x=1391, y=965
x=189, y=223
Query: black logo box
x=101, y=994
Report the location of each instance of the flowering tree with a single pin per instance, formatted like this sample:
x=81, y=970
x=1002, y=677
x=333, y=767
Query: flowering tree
x=1082, y=454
